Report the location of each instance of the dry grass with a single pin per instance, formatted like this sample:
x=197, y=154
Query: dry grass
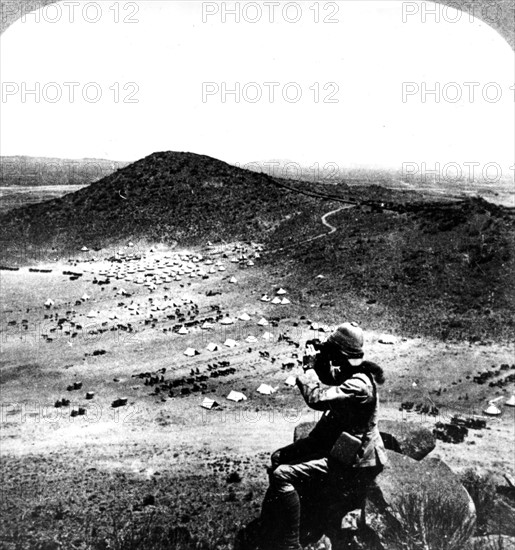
x=483, y=492
x=430, y=522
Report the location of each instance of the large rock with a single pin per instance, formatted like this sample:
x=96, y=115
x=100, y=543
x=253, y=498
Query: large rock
x=411, y=504
x=421, y=501
x=407, y=438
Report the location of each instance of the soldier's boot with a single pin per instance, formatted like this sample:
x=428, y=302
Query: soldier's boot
x=287, y=522
x=260, y=534
x=249, y=538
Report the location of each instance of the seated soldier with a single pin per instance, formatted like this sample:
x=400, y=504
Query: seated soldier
x=350, y=406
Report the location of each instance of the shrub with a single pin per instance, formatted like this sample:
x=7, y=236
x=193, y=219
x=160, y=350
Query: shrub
x=490, y=542
x=429, y=522
x=483, y=492
x=148, y=531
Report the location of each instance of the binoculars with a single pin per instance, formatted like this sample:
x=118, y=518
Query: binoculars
x=308, y=361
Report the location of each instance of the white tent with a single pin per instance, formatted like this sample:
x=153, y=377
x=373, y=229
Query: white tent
x=268, y=336
x=251, y=339
x=227, y=321
x=276, y=300
x=209, y=403
x=206, y=325
x=492, y=410
x=285, y=301
x=211, y=347
x=265, y=298
x=84, y=249
x=236, y=396
x=265, y=389
x=262, y=322
x=49, y=303
x=290, y=381
x=281, y=291
x=85, y=297
x=183, y=330
x=233, y=280
x=511, y=401
x=92, y=313
x=244, y=317
x=190, y=352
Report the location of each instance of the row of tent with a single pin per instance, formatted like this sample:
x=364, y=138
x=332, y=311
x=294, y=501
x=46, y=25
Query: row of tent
x=236, y=396
x=229, y=343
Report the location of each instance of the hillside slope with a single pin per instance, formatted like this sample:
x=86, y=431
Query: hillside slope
x=166, y=196
x=441, y=268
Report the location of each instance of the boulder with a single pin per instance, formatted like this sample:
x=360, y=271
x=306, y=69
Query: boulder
x=406, y=438
x=410, y=504
x=415, y=500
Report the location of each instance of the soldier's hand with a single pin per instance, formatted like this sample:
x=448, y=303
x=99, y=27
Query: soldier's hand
x=308, y=361
x=308, y=377
x=310, y=350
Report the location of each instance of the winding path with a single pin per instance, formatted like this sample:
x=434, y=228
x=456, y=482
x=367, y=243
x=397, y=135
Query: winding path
x=324, y=221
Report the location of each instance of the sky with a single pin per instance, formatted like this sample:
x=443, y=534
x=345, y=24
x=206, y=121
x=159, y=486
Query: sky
x=353, y=88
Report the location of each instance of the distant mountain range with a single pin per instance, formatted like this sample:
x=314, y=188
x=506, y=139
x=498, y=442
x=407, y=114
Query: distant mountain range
x=38, y=171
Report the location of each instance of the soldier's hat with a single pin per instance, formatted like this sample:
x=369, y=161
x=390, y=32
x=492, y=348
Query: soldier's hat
x=348, y=339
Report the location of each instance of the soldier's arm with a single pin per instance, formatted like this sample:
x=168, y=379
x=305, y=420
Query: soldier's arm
x=321, y=399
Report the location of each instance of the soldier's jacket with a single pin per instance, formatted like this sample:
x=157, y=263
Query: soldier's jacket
x=350, y=406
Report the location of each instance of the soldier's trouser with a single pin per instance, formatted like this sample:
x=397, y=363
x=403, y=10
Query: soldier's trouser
x=299, y=467
x=291, y=469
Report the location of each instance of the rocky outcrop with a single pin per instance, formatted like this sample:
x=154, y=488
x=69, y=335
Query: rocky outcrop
x=406, y=438
x=420, y=501
x=416, y=500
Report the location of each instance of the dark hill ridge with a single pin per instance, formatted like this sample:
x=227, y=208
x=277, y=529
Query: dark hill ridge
x=165, y=196
x=439, y=269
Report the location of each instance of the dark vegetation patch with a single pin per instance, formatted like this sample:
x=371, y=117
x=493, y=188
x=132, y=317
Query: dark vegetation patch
x=440, y=269
x=66, y=499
